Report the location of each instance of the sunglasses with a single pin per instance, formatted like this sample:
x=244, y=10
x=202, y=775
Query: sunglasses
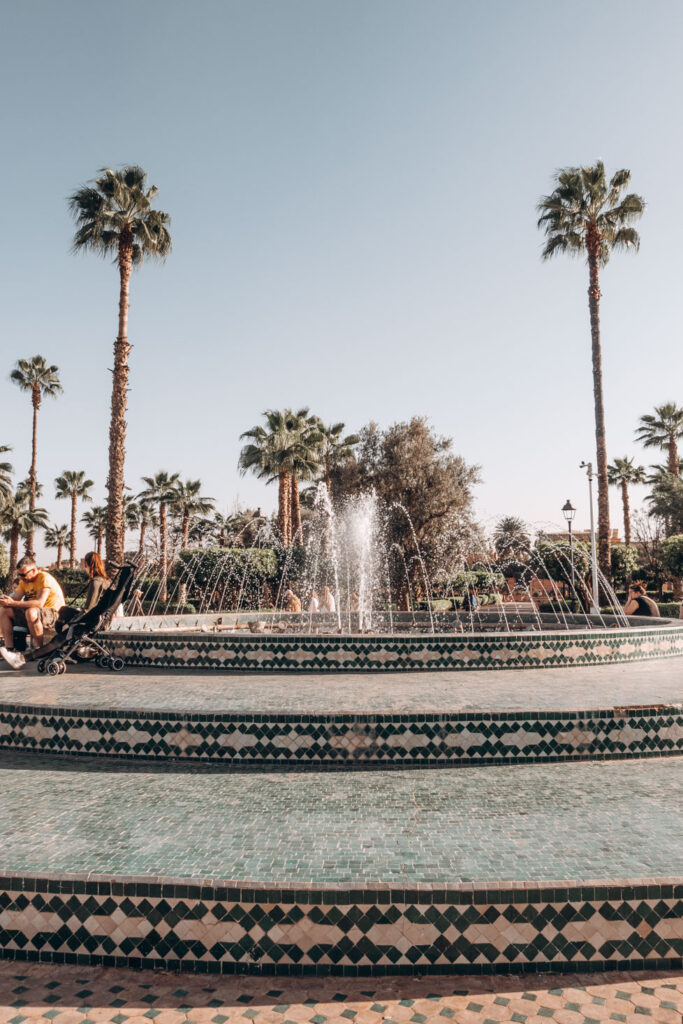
x=23, y=575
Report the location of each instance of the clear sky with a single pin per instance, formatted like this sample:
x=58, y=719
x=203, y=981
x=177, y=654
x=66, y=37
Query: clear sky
x=352, y=186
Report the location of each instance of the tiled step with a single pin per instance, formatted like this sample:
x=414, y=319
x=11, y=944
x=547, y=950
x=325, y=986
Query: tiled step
x=568, y=867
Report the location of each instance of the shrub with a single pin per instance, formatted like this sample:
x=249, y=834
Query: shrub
x=669, y=609
x=72, y=581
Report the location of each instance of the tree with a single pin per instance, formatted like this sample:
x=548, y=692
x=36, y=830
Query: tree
x=511, y=538
x=426, y=491
x=663, y=430
x=57, y=537
x=285, y=450
x=114, y=218
x=335, y=449
x=666, y=502
x=95, y=519
x=161, y=490
x=40, y=380
x=672, y=559
x=73, y=484
x=621, y=473
x=16, y=519
x=586, y=215
x=6, y=471
x=624, y=563
x=188, y=502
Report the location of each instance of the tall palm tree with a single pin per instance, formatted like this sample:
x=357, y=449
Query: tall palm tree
x=57, y=537
x=40, y=380
x=304, y=451
x=95, y=519
x=587, y=215
x=16, y=520
x=663, y=430
x=6, y=471
x=188, y=502
x=114, y=218
x=621, y=473
x=335, y=449
x=73, y=484
x=161, y=490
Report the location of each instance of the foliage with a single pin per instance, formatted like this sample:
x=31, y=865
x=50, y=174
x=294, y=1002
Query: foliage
x=72, y=581
x=672, y=554
x=424, y=486
x=663, y=430
x=625, y=559
x=222, y=576
x=4, y=564
x=511, y=538
x=669, y=609
x=553, y=559
x=666, y=502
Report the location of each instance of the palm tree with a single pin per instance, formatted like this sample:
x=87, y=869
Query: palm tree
x=16, y=520
x=95, y=519
x=73, y=484
x=621, y=473
x=57, y=537
x=39, y=379
x=161, y=490
x=586, y=215
x=6, y=471
x=511, y=538
x=287, y=451
x=114, y=218
x=335, y=450
x=188, y=502
x=663, y=430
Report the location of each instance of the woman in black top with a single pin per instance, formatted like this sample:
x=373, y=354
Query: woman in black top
x=638, y=603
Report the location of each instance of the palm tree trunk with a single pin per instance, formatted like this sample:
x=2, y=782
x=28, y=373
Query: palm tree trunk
x=33, y=476
x=72, y=539
x=143, y=530
x=627, y=512
x=186, y=531
x=284, y=507
x=117, y=426
x=162, y=541
x=296, y=512
x=593, y=247
x=99, y=539
x=13, y=553
x=673, y=456
x=60, y=552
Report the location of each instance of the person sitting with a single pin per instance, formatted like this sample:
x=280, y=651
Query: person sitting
x=292, y=602
x=639, y=603
x=354, y=602
x=98, y=581
x=35, y=604
x=313, y=602
x=327, y=602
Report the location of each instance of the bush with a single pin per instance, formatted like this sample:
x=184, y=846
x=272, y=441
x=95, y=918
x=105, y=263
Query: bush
x=72, y=581
x=669, y=609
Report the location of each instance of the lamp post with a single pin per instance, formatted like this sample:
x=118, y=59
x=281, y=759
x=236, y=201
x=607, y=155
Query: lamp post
x=568, y=511
x=595, y=607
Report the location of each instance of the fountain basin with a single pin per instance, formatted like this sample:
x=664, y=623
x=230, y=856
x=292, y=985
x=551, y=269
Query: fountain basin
x=223, y=642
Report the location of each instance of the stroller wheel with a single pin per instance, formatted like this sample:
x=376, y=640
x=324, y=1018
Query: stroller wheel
x=62, y=668
x=117, y=664
x=53, y=667
x=41, y=666
x=103, y=661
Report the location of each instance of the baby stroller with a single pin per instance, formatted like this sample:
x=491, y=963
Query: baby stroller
x=77, y=639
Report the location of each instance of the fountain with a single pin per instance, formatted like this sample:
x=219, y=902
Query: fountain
x=378, y=622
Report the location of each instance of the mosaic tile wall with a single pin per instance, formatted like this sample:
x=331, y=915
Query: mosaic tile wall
x=347, y=739
x=211, y=928
x=397, y=653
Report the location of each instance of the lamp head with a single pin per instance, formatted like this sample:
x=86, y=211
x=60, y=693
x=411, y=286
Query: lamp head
x=568, y=511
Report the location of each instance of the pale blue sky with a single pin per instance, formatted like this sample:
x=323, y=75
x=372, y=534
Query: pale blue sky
x=352, y=189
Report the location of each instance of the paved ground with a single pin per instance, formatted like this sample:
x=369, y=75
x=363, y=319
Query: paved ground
x=81, y=995
x=589, y=820
x=604, y=686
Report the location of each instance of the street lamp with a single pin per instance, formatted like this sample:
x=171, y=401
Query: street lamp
x=568, y=511
x=595, y=607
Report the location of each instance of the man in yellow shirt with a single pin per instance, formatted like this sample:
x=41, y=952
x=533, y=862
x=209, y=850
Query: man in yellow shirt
x=35, y=604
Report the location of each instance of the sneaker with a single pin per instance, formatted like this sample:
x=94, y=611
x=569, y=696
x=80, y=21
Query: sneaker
x=13, y=658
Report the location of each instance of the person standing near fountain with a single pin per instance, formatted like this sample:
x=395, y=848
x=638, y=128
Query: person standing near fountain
x=327, y=602
x=313, y=602
x=292, y=602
